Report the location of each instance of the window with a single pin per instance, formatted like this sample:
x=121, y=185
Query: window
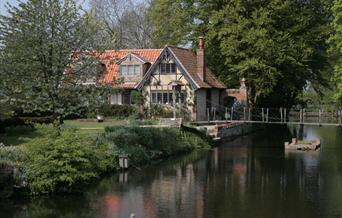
x=116, y=98
x=159, y=98
x=129, y=70
x=166, y=68
x=154, y=98
x=126, y=98
x=123, y=70
x=166, y=97
x=136, y=69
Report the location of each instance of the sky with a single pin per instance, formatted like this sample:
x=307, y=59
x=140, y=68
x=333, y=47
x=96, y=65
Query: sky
x=3, y=3
x=16, y=2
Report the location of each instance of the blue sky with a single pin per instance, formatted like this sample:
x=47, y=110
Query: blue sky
x=3, y=3
x=16, y=2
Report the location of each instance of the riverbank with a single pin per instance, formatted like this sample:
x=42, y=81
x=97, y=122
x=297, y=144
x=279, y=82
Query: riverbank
x=64, y=162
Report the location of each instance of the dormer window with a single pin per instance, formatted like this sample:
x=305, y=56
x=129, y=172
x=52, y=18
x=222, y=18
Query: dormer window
x=129, y=70
x=167, y=68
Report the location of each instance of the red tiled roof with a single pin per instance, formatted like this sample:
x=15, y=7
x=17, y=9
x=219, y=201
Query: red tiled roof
x=189, y=60
x=110, y=57
x=126, y=86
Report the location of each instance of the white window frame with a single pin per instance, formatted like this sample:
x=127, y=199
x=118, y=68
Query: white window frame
x=116, y=99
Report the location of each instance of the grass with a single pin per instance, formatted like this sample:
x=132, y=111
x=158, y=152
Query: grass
x=82, y=127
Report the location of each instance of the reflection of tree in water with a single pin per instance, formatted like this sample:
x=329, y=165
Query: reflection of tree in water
x=253, y=176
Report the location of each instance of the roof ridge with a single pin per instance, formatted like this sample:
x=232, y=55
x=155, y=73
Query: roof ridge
x=173, y=46
x=137, y=49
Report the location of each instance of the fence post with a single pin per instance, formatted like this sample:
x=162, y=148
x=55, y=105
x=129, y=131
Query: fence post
x=304, y=114
x=208, y=115
x=231, y=113
x=267, y=115
x=319, y=117
x=281, y=115
x=249, y=113
x=262, y=114
x=244, y=114
x=285, y=115
x=226, y=114
x=214, y=111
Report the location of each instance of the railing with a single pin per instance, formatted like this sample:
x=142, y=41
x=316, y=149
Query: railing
x=305, y=116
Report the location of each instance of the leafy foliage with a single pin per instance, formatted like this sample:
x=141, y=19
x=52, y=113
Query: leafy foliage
x=37, y=39
x=11, y=155
x=336, y=50
x=66, y=163
x=172, y=21
x=118, y=111
x=143, y=144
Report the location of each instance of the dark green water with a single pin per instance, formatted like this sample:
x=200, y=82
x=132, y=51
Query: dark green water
x=248, y=177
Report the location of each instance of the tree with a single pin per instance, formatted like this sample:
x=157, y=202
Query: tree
x=124, y=21
x=336, y=50
x=5, y=105
x=37, y=41
x=172, y=21
x=276, y=45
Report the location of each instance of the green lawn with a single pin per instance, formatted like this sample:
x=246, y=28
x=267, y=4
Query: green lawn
x=83, y=127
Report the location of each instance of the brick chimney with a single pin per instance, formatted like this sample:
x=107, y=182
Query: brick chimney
x=201, y=59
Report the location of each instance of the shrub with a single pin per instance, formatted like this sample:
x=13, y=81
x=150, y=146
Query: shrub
x=149, y=143
x=66, y=162
x=137, y=98
x=143, y=122
x=19, y=130
x=118, y=111
x=11, y=155
x=161, y=111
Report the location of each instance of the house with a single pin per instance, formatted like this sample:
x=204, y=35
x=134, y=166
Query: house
x=169, y=77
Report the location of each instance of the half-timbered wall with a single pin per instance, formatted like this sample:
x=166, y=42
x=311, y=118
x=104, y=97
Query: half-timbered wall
x=160, y=82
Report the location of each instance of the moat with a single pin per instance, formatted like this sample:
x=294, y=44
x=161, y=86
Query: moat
x=251, y=176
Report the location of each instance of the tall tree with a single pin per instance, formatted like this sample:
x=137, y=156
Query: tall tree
x=172, y=21
x=277, y=45
x=124, y=21
x=336, y=50
x=37, y=39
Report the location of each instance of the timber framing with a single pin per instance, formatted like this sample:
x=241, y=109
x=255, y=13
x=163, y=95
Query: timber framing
x=167, y=52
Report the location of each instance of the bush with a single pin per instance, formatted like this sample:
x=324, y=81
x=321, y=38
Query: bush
x=157, y=110
x=19, y=130
x=118, y=111
x=142, y=144
x=143, y=122
x=65, y=163
x=11, y=155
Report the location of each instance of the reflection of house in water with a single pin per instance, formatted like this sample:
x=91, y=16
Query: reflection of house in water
x=177, y=192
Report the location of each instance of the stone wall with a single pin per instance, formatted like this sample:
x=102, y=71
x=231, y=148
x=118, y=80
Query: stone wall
x=240, y=129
